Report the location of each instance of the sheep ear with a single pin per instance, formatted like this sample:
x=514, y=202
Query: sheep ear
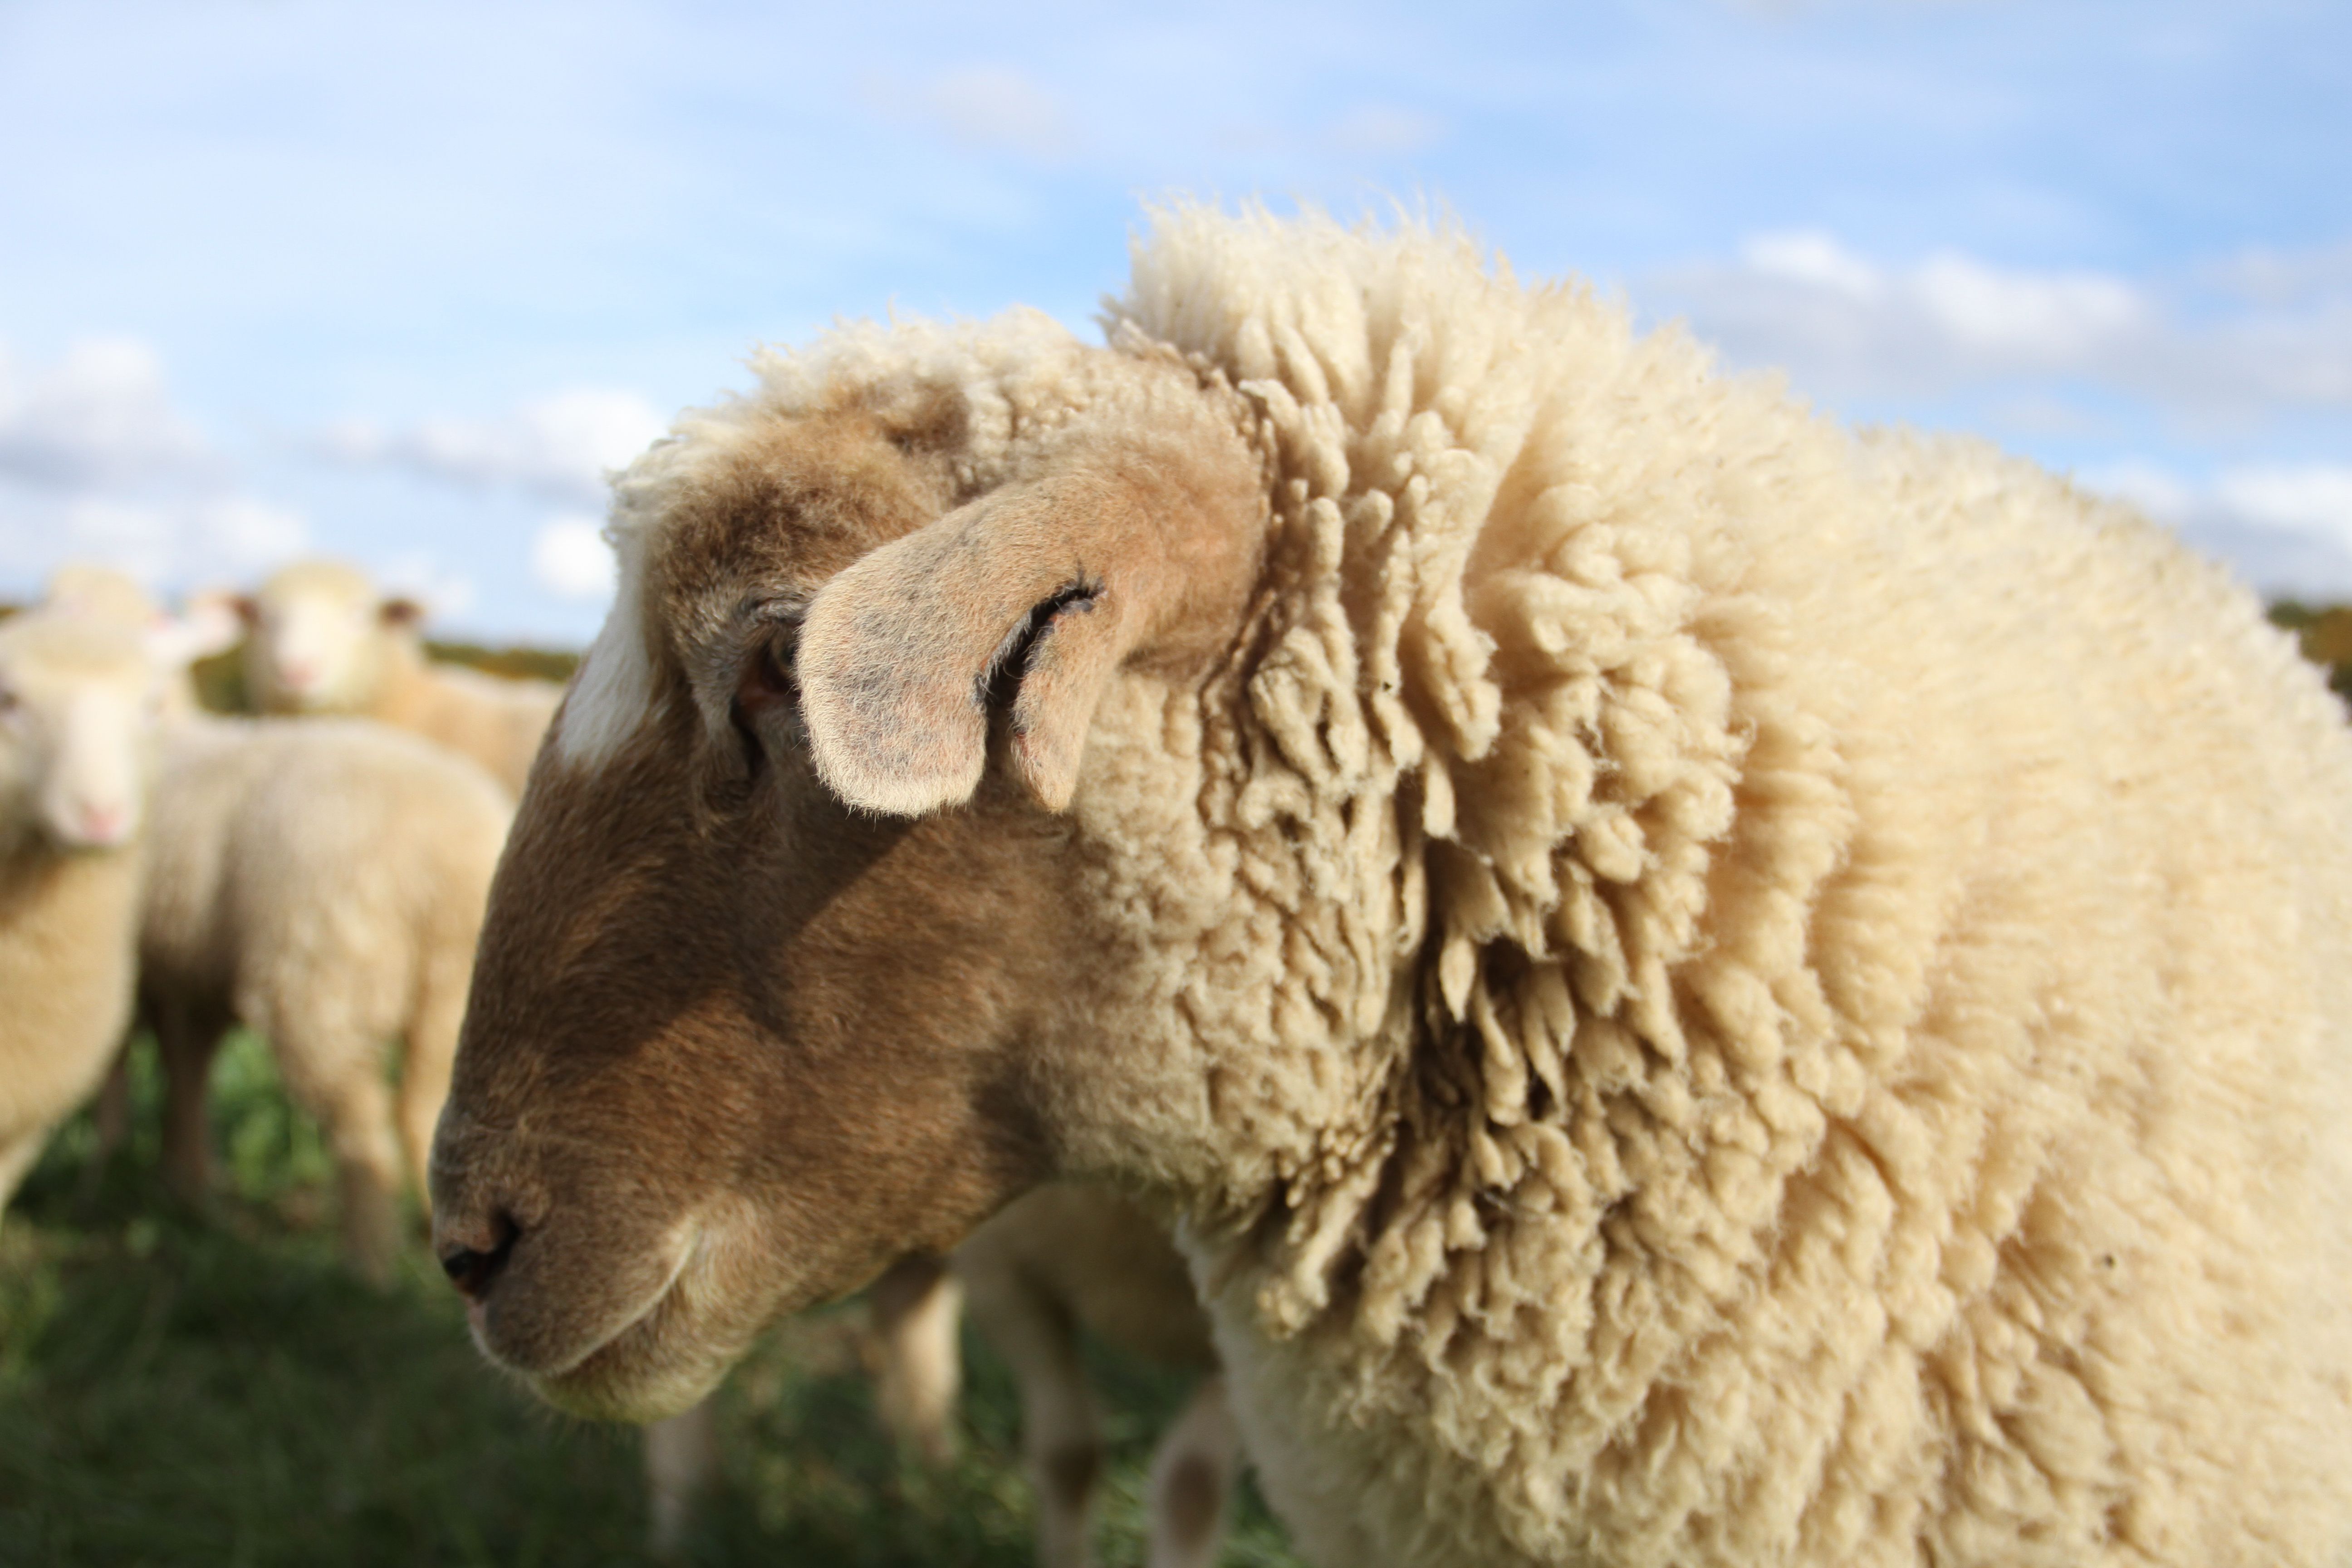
x=401, y=612
x=1025, y=602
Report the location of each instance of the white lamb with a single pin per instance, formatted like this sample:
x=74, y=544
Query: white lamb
x=1713, y=993
x=78, y=705
x=323, y=639
x=321, y=881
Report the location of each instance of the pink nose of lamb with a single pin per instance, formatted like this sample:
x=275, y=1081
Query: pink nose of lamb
x=103, y=824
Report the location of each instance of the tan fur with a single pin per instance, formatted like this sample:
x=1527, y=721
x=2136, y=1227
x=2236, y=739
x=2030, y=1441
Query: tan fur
x=69, y=913
x=1712, y=991
x=370, y=661
x=322, y=882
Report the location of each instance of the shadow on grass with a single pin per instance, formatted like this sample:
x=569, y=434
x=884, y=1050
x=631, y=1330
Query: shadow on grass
x=182, y=1389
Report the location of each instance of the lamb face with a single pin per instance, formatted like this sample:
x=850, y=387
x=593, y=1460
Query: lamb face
x=78, y=705
x=734, y=1041
x=316, y=635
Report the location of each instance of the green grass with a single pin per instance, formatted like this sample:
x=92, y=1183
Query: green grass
x=186, y=1390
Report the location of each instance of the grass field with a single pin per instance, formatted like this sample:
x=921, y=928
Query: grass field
x=177, y=1390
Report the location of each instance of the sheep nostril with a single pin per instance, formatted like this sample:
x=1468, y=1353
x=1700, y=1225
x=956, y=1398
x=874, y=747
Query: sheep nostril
x=474, y=1269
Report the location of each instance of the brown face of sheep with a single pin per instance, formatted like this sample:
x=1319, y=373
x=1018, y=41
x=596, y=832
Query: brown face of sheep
x=771, y=973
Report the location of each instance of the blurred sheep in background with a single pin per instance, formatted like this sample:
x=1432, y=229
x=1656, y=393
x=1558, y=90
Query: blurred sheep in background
x=322, y=883
x=209, y=624
x=325, y=639
x=78, y=706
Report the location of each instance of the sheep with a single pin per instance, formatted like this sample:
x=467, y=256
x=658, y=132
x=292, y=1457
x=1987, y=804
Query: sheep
x=93, y=591
x=1708, y=989
x=323, y=881
x=76, y=713
x=323, y=640
x=1062, y=1258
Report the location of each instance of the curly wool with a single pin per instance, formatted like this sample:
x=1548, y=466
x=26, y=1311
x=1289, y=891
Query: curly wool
x=1771, y=993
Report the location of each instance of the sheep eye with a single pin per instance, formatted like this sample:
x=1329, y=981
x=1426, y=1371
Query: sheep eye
x=771, y=674
x=767, y=681
x=755, y=755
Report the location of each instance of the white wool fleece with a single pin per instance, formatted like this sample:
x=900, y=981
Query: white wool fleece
x=1775, y=997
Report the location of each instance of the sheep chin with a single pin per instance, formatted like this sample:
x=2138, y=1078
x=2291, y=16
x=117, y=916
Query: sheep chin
x=618, y=1382
x=657, y=1364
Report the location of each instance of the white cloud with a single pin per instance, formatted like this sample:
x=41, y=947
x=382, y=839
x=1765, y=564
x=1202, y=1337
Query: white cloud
x=570, y=559
x=2287, y=527
x=96, y=463
x=168, y=540
x=99, y=417
x=984, y=107
x=1385, y=131
x=560, y=446
x=2271, y=277
x=2266, y=332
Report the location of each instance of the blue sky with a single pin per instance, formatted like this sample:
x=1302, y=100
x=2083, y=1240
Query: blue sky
x=395, y=282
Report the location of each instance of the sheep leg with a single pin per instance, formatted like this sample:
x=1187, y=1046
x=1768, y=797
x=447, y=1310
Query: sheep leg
x=110, y=1116
x=187, y=1036
x=367, y=1176
x=1061, y=1435
x=110, y=1120
x=681, y=1462
x=918, y=1311
x=341, y=1085
x=1191, y=1480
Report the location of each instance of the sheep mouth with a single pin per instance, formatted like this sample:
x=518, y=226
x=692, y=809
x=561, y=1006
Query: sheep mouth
x=627, y=1378
x=602, y=1357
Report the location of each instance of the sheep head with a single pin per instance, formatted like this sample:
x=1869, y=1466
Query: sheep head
x=784, y=972
x=321, y=638
x=78, y=701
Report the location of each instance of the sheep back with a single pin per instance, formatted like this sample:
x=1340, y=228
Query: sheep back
x=315, y=864
x=497, y=720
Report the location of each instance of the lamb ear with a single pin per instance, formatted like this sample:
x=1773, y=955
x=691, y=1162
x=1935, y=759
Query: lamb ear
x=1028, y=599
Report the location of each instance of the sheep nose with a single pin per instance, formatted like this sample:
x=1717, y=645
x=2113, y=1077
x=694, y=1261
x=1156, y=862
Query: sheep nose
x=474, y=1269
